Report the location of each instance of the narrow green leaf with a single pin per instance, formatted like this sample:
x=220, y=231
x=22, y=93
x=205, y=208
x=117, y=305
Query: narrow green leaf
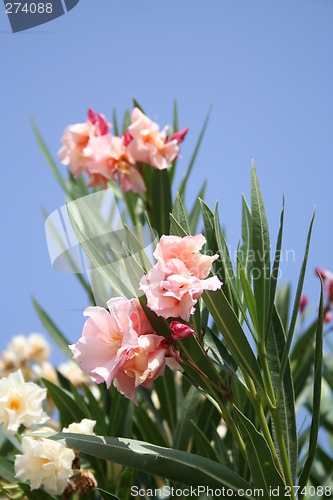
x=137, y=105
x=7, y=472
x=275, y=347
x=263, y=471
x=275, y=273
x=208, y=220
x=295, y=309
x=183, y=183
x=49, y=158
x=161, y=202
x=233, y=334
x=282, y=301
x=219, y=351
x=194, y=214
x=138, y=250
x=249, y=297
x=99, y=262
x=175, y=228
x=179, y=213
x=115, y=122
x=95, y=410
x=149, y=430
x=35, y=494
x=69, y=410
x=182, y=433
x=126, y=121
x=246, y=246
x=57, y=336
x=166, y=391
x=106, y=495
x=262, y=253
x=318, y=369
x=204, y=447
x=172, y=464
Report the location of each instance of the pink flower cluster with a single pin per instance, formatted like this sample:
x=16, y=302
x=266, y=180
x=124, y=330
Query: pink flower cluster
x=120, y=345
x=90, y=147
x=174, y=285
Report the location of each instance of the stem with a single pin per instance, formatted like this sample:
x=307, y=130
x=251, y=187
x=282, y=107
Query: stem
x=263, y=423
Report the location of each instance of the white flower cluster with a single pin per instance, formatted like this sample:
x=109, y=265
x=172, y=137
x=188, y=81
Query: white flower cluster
x=49, y=463
x=22, y=351
x=20, y=403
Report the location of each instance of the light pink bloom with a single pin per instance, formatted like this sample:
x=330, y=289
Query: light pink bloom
x=121, y=346
x=148, y=144
x=109, y=159
x=180, y=331
x=76, y=138
x=174, y=285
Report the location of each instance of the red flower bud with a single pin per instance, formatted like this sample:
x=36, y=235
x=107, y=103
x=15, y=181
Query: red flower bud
x=180, y=135
x=303, y=303
x=180, y=331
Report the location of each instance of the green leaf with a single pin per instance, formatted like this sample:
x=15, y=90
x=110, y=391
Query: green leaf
x=233, y=334
x=228, y=278
x=249, y=297
x=183, y=183
x=194, y=214
x=282, y=301
x=106, y=495
x=318, y=369
x=219, y=351
x=161, y=202
x=95, y=410
x=34, y=494
x=149, y=430
x=68, y=409
x=172, y=464
x=246, y=246
x=295, y=309
x=99, y=262
x=275, y=347
x=137, y=105
x=204, y=447
x=262, y=253
x=57, y=336
x=138, y=250
x=208, y=220
x=166, y=391
x=182, y=433
x=275, y=273
x=179, y=213
x=115, y=122
x=175, y=228
x=7, y=472
x=49, y=159
x=263, y=471
x=126, y=121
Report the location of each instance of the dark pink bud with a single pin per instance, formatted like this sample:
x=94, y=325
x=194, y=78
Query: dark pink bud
x=303, y=303
x=127, y=139
x=102, y=125
x=321, y=273
x=92, y=116
x=330, y=291
x=180, y=331
x=180, y=135
x=327, y=317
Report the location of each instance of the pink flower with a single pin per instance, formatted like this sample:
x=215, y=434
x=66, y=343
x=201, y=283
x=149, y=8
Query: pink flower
x=109, y=159
x=76, y=138
x=327, y=317
x=121, y=346
x=303, y=303
x=327, y=277
x=180, y=331
x=148, y=144
x=174, y=285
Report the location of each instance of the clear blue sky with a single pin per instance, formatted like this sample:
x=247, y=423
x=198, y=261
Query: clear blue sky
x=265, y=66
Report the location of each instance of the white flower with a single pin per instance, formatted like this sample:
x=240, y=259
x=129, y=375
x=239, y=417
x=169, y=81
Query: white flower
x=44, y=462
x=20, y=403
x=38, y=348
x=86, y=426
x=45, y=370
x=73, y=372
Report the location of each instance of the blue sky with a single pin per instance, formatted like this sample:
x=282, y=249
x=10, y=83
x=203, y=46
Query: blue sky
x=265, y=66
